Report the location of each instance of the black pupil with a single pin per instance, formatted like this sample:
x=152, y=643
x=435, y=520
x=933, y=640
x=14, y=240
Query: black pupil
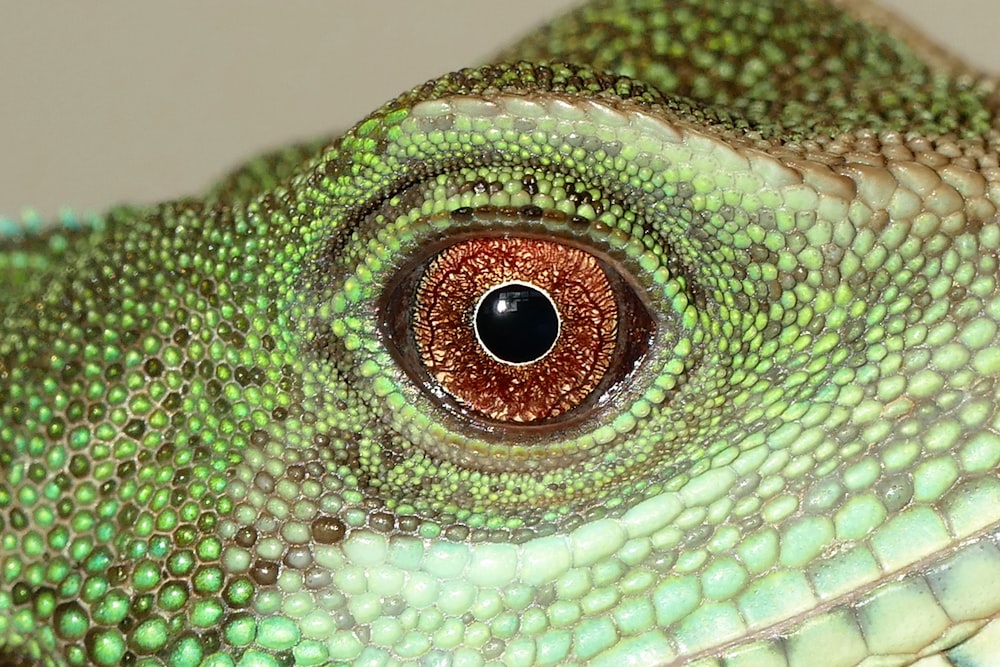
x=517, y=323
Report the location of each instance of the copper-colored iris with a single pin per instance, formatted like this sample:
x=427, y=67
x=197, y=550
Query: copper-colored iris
x=444, y=326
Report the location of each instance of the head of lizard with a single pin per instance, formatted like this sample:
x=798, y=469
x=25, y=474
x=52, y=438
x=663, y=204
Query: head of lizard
x=280, y=425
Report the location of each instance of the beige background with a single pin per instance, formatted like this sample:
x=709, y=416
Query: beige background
x=115, y=101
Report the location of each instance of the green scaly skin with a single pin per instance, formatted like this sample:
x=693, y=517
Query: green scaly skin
x=212, y=455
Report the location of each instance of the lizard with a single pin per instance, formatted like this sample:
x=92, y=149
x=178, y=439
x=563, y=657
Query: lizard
x=263, y=426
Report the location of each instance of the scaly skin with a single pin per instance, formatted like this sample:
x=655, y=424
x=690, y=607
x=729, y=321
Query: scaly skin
x=220, y=446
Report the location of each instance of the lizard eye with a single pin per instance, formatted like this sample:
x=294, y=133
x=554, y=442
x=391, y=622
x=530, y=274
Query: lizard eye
x=517, y=330
x=503, y=329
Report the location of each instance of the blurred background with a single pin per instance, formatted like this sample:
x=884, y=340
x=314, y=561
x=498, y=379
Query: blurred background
x=121, y=101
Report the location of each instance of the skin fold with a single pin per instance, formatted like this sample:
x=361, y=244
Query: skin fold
x=231, y=430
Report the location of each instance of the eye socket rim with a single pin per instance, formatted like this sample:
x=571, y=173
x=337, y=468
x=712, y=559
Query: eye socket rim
x=637, y=330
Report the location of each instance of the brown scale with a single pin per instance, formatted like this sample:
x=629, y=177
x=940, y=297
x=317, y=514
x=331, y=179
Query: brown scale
x=559, y=380
x=264, y=572
x=328, y=530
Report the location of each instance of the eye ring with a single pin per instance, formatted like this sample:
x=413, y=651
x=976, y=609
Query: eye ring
x=627, y=340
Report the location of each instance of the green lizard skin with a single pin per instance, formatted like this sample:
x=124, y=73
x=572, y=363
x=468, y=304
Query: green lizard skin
x=223, y=440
